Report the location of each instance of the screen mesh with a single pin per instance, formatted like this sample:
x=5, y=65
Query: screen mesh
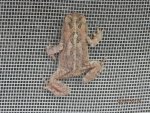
x=28, y=26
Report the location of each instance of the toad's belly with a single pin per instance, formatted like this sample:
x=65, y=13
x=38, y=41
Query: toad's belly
x=71, y=58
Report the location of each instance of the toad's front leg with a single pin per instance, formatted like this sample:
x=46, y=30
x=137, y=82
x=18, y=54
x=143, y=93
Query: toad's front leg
x=51, y=51
x=96, y=38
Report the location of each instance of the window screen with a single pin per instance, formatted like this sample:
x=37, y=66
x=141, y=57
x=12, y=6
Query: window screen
x=28, y=26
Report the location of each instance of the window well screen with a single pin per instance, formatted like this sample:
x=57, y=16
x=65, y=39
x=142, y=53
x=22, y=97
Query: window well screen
x=28, y=26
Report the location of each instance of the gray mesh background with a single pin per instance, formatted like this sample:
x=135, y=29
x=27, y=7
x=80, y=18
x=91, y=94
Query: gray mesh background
x=27, y=27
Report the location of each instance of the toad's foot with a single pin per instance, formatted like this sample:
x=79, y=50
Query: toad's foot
x=58, y=88
x=93, y=72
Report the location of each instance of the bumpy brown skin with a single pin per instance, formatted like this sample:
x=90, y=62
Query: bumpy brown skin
x=73, y=59
x=67, y=59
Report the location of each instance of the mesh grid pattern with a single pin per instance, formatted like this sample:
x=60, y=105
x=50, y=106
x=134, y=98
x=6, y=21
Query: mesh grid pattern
x=27, y=27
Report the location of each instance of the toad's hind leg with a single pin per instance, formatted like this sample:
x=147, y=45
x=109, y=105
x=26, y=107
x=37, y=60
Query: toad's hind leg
x=57, y=87
x=96, y=68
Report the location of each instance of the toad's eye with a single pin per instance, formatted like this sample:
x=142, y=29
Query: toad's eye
x=68, y=19
x=83, y=20
x=70, y=24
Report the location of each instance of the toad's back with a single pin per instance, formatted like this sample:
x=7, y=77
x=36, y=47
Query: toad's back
x=75, y=50
x=73, y=56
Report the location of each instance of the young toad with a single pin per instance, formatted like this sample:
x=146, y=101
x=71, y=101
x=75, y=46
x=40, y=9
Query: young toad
x=73, y=58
